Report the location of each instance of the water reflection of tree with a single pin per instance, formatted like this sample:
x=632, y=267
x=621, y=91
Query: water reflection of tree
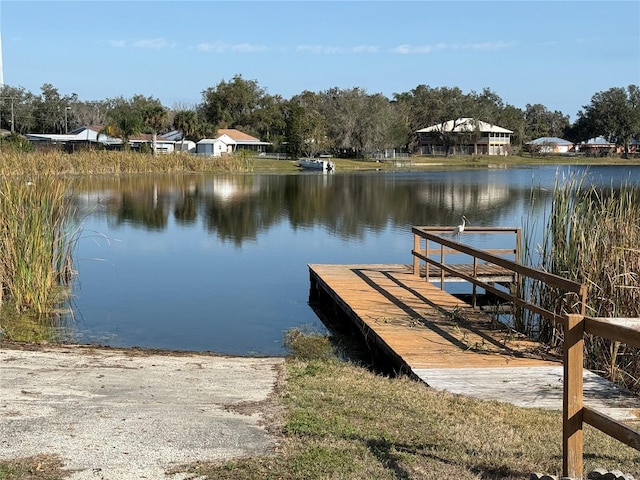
x=185, y=211
x=139, y=209
x=238, y=208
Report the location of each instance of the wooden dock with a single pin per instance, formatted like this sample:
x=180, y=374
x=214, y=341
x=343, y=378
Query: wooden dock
x=434, y=336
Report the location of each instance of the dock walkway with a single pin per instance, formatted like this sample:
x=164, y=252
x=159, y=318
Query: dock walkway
x=436, y=337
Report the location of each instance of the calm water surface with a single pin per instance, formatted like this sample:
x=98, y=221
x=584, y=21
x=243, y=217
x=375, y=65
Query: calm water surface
x=219, y=263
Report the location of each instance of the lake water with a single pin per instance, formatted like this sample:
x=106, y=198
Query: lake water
x=219, y=262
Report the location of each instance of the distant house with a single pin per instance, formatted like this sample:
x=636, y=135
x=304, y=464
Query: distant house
x=85, y=137
x=597, y=146
x=82, y=137
x=470, y=137
x=551, y=145
x=229, y=140
x=181, y=145
x=634, y=146
x=144, y=140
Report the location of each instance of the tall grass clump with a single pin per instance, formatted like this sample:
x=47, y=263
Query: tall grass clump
x=37, y=235
x=102, y=162
x=592, y=236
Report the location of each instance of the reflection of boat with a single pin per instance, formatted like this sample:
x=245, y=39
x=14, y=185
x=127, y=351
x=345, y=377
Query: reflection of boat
x=316, y=164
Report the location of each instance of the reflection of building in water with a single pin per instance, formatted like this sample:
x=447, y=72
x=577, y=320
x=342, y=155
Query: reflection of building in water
x=461, y=197
x=228, y=189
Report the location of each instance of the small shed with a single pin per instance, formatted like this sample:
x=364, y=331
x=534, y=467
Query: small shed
x=215, y=147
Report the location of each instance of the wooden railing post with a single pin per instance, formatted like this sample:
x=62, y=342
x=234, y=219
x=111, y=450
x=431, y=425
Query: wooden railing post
x=426, y=264
x=416, y=260
x=441, y=270
x=572, y=412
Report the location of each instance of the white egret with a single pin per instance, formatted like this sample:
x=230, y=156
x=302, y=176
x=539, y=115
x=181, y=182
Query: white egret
x=460, y=228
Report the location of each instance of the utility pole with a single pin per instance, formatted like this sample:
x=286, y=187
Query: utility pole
x=66, y=123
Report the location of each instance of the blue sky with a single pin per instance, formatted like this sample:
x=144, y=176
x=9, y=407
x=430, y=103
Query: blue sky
x=557, y=53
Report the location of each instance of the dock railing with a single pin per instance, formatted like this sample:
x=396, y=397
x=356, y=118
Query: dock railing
x=575, y=326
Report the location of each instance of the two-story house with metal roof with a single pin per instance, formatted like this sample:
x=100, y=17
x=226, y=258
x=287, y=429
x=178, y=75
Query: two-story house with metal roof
x=464, y=136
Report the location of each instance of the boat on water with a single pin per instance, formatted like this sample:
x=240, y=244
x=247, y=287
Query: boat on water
x=316, y=164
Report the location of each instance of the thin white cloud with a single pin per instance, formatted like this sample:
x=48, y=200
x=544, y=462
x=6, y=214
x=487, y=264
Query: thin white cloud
x=328, y=50
x=156, y=43
x=417, y=49
x=587, y=40
x=117, y=43
x=248, y=48
x=221, y=47
x=408, y=49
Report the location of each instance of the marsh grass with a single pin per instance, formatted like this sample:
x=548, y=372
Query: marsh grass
x=343, y=421
x=592, y=236
x=114, y=162
x=37, y=236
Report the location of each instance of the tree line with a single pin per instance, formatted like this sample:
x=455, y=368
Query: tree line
x=344, y=122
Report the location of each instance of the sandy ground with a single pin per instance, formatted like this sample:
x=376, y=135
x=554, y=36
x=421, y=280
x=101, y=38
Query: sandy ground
x=120, y=414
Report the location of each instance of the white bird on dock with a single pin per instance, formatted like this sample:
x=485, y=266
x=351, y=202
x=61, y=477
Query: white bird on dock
x=460, y=228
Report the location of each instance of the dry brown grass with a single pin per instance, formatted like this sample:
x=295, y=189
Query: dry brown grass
x=346, y=422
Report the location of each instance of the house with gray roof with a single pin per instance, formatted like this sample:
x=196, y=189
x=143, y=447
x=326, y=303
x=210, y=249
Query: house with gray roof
x=94, y=136
x=596, y=146
x=464, y=136
x=551, y=145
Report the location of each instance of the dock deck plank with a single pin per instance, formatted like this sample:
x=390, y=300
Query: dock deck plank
x=451, y=346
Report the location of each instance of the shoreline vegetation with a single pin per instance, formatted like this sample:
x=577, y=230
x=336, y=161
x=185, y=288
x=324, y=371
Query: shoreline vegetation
x=37, y=236
x=61, y=164
x=340, y=420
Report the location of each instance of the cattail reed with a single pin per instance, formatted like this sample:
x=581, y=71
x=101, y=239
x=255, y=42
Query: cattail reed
x=37, y=236
x=592, y=236
x=115, y=162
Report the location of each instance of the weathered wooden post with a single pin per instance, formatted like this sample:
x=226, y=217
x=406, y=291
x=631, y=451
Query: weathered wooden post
x=572, y=435
x=416, y=260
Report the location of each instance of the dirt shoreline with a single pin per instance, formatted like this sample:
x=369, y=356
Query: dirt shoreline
x=132, y=413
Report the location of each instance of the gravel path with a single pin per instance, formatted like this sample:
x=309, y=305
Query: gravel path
x=120, y=414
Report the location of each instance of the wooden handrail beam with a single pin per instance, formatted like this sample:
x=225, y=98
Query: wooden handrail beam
x=612, y=427
x=623, y=330
x=559, y=319
x=468, y=228
x=505, y=251
x=549, y=278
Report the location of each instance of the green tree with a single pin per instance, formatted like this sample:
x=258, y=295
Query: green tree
x=615, y=114
x=268, y=120
x=231, y=104
x=124, y=121
x=543, y=123
x=51, y=110
x=486, y=106
x=306, y=125
x=295, y=131
x=187, y=122
x=153, y=114
x=16, y=109
x=512, y=118
x=89, y=113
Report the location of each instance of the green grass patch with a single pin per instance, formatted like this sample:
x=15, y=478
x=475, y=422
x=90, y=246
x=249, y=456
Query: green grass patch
x=39, y=467
x=343, y=421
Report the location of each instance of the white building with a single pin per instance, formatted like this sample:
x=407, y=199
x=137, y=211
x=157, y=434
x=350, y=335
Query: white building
x=470, y=137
